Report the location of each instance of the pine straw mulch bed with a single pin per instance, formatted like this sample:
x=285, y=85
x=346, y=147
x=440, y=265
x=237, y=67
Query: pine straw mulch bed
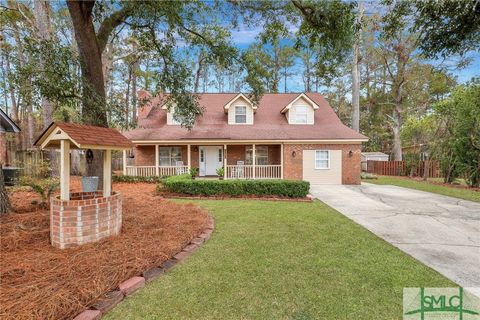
x=41, y=282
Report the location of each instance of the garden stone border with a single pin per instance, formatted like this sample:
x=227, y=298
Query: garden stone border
x=130, y=286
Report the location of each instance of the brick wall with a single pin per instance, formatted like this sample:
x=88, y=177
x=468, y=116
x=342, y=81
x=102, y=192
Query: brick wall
x=87, y=217
x=293, y=166
x=145, y=155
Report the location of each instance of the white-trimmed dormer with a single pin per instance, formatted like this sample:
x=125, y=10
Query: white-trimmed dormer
x=170, y=114
x=300, y=110
x=240, y=110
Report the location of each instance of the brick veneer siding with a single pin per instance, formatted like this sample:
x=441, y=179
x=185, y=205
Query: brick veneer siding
x=86, y=217
x=145, y=155
x=293, y=166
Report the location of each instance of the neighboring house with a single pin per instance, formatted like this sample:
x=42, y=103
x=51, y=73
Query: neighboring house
x=287, y=136
x=373, y=156
x=6, y=125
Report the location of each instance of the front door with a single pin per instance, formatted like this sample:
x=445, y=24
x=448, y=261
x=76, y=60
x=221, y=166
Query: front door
x=211, y=159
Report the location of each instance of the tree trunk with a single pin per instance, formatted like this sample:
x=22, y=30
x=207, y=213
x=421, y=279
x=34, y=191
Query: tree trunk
x=134, y=93
x=93, y=98
x=198, y=74
x=42, y=23
x=356, y=74
x=397, y=142
x=4, y=201
x=127, y=99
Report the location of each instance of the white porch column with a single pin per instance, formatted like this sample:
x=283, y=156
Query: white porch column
x=189, y=157
x=124, y=162
x=253, y=161
x=107, y=173
x=281, y=161
x=65, y=170
x=225, y=161
x=157, y=169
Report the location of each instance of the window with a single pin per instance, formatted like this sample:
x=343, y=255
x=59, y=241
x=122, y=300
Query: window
x=170, y=155
x=202, y=155
x=220, y=155
x=301, y=114
x=176, y=119
x=261, y=155
x=240, y=114
x=322, y=159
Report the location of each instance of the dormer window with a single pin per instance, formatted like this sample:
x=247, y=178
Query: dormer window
x=240, y=110
x=300, y=110
x=176, y=119
x=301, y=115
x=240, y=114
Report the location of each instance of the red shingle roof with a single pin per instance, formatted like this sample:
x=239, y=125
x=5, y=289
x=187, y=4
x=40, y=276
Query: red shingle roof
x=86, y=135
x=269, y=122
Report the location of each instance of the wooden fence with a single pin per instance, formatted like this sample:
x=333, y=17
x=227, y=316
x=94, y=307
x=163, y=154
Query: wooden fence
x=401, y=168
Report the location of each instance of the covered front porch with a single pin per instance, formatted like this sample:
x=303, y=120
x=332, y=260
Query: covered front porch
x=232, y=161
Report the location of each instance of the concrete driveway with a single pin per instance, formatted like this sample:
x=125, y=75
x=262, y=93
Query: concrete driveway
x=442, y=232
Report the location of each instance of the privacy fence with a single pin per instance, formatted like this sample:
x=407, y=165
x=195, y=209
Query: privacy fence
x=404, y=168
x=39, y=164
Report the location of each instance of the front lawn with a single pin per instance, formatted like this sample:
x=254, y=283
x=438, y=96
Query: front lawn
x=462, y=193
x=283, y=260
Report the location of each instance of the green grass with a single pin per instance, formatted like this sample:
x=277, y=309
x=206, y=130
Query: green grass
x=429, y=187
x=283, y=260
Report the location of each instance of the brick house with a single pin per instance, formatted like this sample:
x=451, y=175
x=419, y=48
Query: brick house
x=285, y=136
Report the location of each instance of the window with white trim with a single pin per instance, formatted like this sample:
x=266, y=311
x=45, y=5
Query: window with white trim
x=176, y=119
x=261, y=155
x=169, y=156
x=240, y=114
x=322, y=159
x=301, y=114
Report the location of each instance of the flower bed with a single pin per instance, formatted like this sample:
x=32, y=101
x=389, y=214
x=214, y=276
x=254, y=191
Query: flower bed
x=184, y=184
x=42, y=282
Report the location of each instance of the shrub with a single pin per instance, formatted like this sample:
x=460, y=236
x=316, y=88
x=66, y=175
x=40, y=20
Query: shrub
x=136, y=179
x=366, y=175
x=193, y=172
x=45, y=188
x=284, y=188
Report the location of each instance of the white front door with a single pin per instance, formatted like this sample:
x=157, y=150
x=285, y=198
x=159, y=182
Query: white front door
x=210, y=159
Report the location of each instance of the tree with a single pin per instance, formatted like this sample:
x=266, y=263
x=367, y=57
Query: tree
x=445, y=28
x=356, y=72
x=4, y=201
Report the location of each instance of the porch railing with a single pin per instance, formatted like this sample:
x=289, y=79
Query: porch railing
x=268, y=171
x=239, y=171
x=246, y=172
x=145, y=171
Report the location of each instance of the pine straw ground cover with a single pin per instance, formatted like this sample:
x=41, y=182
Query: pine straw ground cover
x=41, y=282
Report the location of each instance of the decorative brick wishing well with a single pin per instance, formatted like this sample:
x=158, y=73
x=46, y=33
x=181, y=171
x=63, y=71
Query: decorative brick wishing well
x=86, y=217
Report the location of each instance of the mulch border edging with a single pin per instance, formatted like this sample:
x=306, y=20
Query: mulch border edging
x=308, y=198
x=130, y=286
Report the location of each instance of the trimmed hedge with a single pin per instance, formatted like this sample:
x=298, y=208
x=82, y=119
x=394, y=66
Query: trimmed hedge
x=284, y=188
x=135, y=179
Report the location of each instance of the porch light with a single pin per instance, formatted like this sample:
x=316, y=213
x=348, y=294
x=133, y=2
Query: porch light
x=294, y=154
x=350, y=153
